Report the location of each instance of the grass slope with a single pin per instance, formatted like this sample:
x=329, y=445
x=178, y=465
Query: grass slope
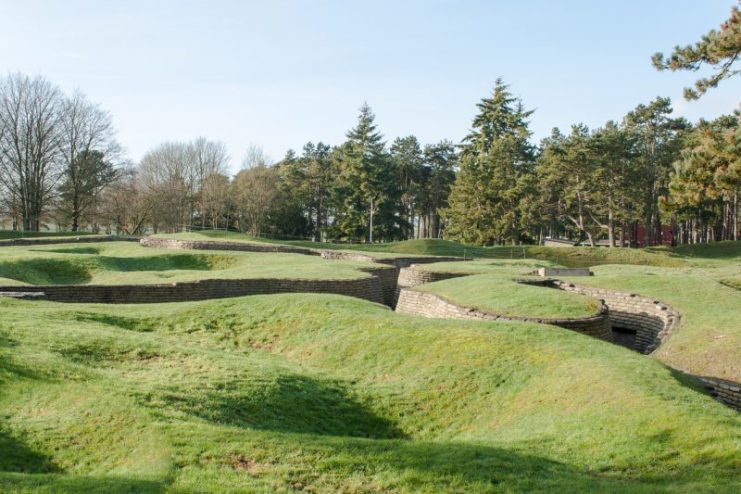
x=130, y=263
x=309, y=393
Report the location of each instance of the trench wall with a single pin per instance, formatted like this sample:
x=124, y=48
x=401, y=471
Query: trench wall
x=369, y=288
x=172, y=243
x=652, y=320
x=433, y=306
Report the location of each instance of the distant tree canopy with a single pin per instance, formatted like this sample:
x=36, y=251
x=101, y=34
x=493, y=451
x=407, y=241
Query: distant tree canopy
x=720, y=49
x=626, y=181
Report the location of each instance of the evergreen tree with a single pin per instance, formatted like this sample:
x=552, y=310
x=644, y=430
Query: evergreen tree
x=658, y=140
x=495, y=159
x=368, y=193
x=437, y=178
x=83, y=179
x=720, y=49
x=407, y=156
x=707, y=181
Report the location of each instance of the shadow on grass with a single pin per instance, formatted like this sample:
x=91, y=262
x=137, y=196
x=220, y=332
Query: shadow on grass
x=290, y=403
x=69, y=484
x=122, y=322
x=412, y=466
x=167, y=262
x=15, y=456
x=46, y=271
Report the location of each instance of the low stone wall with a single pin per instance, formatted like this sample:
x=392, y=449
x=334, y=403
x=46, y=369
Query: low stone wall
x=433, y=306
x=727, y=392
x=65, y=240
x=364, y=288
x=410, y=277
x=172, y=243
x=652, y=320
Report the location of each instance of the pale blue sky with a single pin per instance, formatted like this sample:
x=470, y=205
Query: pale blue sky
x=280, y=73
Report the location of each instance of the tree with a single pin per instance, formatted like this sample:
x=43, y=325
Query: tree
x=367, y=195
x=495, y=159
x=407, y=156
x=706, y=182
x=210, y=160
x=30, y=145
x=84, y=178
x=658, y=140
x=254, y=192
x=435, y=181
x=124, y=208
x=88, y=149
x=720, y=49
x=166, y=174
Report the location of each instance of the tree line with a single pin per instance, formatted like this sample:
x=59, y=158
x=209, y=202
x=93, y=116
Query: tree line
x=60, y=163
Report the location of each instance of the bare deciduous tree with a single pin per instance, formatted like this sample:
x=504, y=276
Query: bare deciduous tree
x=30, y=144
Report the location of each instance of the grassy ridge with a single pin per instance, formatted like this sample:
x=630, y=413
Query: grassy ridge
x=315, y=393
x=129, y=263
x=490, y=287
x=573, y=257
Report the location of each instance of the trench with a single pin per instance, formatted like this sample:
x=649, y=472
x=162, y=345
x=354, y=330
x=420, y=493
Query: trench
x=626, y=319
x=633, y=321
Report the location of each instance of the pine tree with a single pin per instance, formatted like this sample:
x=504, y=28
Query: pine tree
x=721, y=49
x=495, y=158
x=368, y=194
x=407, y=156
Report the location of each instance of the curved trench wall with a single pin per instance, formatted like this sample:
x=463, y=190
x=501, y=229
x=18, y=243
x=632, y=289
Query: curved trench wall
x=434, y=306
x=388, y=276
x=652, y=320
x=172, y=243
x=364, y=288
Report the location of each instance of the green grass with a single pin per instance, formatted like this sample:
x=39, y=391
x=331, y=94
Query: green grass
x=489, y=286
x=572, y=257
x=500, y=295
x=310, y=393
x=130, y=263
x=709, y=336
x=10, y=234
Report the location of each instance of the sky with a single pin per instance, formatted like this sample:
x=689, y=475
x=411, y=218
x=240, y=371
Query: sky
x=280, y=73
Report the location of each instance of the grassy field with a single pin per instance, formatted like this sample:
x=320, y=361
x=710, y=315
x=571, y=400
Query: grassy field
x=308, y=393
x=130, y=263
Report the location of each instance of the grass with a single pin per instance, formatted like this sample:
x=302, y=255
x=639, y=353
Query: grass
x=11, y=234
x=709, y=337
x=314, y=393
x=489, y=286
x=130, y=263
x=571, y=257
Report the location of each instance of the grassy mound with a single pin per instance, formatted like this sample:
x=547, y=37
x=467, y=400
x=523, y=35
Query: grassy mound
x=501, y=295
x=490, y=287
x=129, y=263
x=313, y=393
